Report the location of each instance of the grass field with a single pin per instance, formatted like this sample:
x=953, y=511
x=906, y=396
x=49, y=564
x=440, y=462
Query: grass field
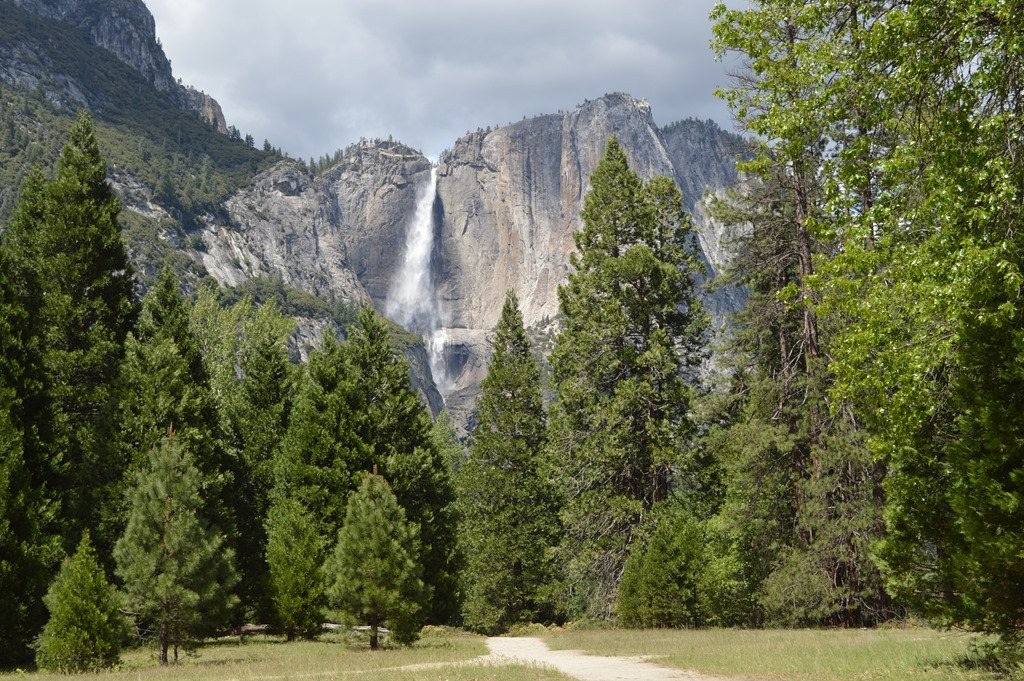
x=914, y=654
x=334, y=656
x=444, y=654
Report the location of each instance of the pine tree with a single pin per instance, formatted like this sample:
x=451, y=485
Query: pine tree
x=355, y=410
x=245, y=350
x=509, y=518
x=164, y=384
x=373, y=575
x=24, y=552
x=663, y=583
x=295, y=556
x=178, y=575
x=633, y=334
x=391, y=429
x=316, y=462
x=86, y=627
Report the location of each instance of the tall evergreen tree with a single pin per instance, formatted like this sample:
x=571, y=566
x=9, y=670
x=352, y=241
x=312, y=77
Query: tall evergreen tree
x=633, y=332
x=356, y=409
x=803, y=494
x=295, y=558
x=177, y=572
x=316, y=464
x=68, y=240
x=373, y=575
x=25, y=550
x=508, y=514
x=245, y=349
x=392, y=430
x=86, y=627
x=164, y=384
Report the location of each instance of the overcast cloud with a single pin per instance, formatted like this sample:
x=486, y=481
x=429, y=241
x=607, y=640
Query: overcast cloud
x=316, y=75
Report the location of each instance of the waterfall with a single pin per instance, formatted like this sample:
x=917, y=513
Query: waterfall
x=412, y=300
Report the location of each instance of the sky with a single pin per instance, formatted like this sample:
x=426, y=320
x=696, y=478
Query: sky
x=313, y=76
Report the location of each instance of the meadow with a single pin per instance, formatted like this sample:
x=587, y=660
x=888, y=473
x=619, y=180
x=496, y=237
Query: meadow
x=911, y=654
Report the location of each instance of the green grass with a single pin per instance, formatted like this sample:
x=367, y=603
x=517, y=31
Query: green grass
x=786, y=655
x=334, y=656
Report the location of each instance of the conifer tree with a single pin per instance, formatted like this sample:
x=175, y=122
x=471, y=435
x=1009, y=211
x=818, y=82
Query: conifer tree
x=354, y=410
x=295, y=556
x=391, y=429
x=25, y=549
x=82, y=309
x=508, y=513
x=86, y=627
x=164, y=384
x=245, y=349
x=177, y=572
x=633, y=333
x=316, y=464
x=373, y=574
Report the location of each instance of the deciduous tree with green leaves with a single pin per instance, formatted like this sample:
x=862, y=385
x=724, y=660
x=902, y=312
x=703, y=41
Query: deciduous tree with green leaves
x=508, y=511
x=623, y=367
x=373, y=574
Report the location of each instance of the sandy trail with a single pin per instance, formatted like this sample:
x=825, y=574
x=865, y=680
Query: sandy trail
x=581, y=666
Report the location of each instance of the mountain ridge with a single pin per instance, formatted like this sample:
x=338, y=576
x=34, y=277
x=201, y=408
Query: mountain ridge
x=507, y=206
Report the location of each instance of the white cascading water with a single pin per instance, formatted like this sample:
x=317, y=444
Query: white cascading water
x=412, y=301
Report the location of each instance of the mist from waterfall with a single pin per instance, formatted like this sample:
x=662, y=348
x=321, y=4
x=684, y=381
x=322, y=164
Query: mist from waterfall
x=412, y=301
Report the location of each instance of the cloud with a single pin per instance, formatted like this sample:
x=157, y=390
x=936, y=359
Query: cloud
x=315, y=75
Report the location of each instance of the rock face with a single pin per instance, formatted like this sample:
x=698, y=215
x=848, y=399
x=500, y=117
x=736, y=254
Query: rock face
x=508, y=203
x=511, y=200
x=339, y=236
x=126, y=28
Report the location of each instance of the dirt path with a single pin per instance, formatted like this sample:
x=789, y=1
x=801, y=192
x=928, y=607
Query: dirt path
x=581, y=666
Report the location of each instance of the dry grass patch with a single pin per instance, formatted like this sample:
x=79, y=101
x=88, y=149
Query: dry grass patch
x=779, y=655
x=334, y=656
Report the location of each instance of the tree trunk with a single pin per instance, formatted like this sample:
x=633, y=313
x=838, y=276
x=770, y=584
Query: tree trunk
x=373, y=635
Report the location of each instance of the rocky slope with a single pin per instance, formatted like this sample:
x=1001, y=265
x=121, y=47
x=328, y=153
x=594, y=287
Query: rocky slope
x=511, y=200
x=126, y=29
x=508, y=203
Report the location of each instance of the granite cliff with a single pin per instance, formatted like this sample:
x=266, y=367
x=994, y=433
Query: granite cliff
x=508, y=203
x=127, y=30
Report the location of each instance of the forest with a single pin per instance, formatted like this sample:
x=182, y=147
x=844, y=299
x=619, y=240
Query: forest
x=851, y=455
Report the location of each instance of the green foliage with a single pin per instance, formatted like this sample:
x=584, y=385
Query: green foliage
x=803, y=500
x=77, y=290
x=295, y=556
x=24, y=567
x=25, y=549
x=663, y=584
x=164, y=385
x=373, y=575
x=507, y=507
x=290, y=301
x=633, y=330
x=177, y=572
x=86, y=627
x=245, y=351
x=354, y=410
